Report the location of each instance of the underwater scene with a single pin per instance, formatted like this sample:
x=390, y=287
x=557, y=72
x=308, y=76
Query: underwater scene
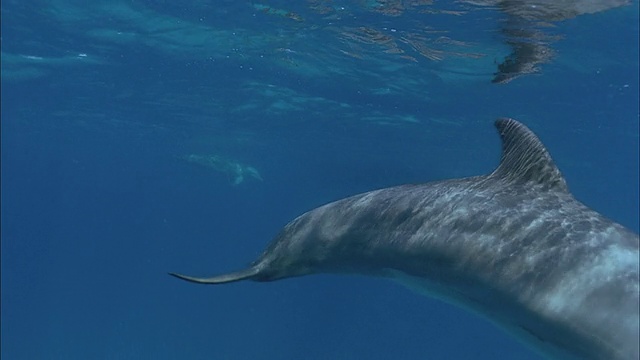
x=148, y=137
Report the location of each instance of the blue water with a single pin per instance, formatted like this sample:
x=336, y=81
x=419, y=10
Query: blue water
x=102, y=100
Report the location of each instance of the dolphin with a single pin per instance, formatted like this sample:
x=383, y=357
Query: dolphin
x=513, y=245
x=235, y=170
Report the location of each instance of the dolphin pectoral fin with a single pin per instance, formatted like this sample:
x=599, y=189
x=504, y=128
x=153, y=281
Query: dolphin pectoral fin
x=245, y=274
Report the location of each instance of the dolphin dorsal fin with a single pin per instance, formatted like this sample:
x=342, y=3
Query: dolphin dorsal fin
x=525, y=159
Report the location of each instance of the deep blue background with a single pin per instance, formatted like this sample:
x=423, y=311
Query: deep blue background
x=97, y=207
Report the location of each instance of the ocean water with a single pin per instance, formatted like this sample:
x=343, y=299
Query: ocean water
x=142, y=137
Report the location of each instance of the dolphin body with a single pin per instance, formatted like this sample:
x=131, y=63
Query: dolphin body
x=235, y=170
x=514, y=246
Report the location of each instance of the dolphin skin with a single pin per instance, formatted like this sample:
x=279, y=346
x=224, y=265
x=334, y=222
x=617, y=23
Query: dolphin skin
x=514, y=246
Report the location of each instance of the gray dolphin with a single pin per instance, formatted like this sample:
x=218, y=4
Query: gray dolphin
x=514, y=246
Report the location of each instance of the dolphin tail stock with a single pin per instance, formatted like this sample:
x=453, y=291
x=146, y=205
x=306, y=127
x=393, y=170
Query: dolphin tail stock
x=246, y=274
